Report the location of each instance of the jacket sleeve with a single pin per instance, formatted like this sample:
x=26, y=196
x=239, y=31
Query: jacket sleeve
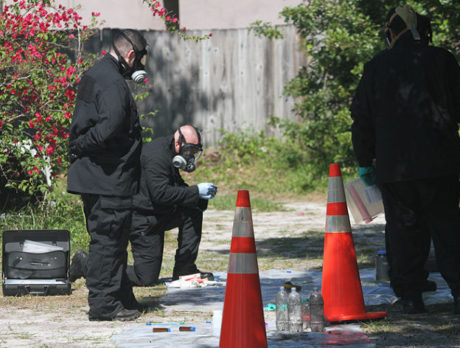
x=362, y=129
x=161, y=183
x=112, y=106
x=454, y=85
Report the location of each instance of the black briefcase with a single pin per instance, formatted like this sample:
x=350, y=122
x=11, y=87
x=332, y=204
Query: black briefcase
x=36, y=262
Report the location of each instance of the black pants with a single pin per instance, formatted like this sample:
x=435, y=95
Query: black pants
x=108, y=221
x=415, y=212
x=147, y=241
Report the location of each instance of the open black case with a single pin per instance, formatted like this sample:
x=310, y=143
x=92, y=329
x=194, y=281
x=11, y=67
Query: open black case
x=36, y=262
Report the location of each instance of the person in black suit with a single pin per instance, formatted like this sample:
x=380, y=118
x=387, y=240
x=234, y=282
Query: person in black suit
x=104, y=151
x=406, y=113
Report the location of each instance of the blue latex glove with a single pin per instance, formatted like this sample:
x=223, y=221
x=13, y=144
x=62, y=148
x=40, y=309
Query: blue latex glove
x=367, y=175
x=207, y=190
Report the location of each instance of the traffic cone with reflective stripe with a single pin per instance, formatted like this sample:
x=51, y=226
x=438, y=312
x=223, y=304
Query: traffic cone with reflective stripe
x=243, y=324
x=341, y=285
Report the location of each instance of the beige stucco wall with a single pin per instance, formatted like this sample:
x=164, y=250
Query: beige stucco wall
x=194, y=14
x=233, y=14
x=134, y=14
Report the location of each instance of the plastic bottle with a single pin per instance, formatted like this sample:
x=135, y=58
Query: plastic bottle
x=305, y=314
x=295, y=311
x=316, y=311
x=282, y=319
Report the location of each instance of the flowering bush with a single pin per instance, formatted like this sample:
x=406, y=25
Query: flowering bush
x=172, y=22
x=38, y=82
x=37, y=91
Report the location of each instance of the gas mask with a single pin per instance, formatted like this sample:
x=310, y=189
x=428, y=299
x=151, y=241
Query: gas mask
x=409, y=17
x=136, y=72
x=188, y=155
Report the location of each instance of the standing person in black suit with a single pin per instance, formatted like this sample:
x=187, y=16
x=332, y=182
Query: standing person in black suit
x=406, y=113
x=104, y=149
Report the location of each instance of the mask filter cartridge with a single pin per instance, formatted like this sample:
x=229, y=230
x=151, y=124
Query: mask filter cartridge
x=139, y=76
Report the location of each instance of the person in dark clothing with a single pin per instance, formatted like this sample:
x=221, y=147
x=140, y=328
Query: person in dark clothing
x=405, y=114
x=164, y=202
x=104, y=150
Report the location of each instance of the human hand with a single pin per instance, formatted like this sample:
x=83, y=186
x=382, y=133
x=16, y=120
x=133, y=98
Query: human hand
x=207, y=190
x=367, y=175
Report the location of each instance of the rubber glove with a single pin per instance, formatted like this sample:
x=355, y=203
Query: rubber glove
x=367, y=175
x=207, y=190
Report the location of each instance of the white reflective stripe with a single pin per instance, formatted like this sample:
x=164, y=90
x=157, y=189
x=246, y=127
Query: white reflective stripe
x=335, y=192
x=242, y=224
x=337, y=223
x=243, y=264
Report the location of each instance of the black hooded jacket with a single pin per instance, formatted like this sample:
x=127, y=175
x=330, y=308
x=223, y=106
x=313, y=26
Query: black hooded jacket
x=406, y=113
x=106, y=131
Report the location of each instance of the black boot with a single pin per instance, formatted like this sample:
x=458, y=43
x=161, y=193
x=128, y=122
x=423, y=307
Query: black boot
x=413, y=304
x=78, y=265
x=123, y=315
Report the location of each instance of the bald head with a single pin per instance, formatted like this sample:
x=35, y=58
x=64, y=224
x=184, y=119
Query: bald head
x=190, y=134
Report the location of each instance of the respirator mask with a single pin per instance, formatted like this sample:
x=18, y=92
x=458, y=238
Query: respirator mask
x=409, y=17
x=188, y=154
x=136, y=72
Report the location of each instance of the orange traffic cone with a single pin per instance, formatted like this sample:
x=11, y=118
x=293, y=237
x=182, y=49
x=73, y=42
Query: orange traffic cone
x=243, y=323
x=341, y=286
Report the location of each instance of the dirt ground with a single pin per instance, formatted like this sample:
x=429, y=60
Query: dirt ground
x=291, y=239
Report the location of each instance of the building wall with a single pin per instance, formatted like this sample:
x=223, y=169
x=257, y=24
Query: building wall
x=220, y=14
x=193, y=14
x=133, y=14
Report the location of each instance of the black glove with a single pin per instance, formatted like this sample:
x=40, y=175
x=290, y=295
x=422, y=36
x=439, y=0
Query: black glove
x=74, y=151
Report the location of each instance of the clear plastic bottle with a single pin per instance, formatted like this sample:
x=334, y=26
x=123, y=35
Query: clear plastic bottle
x=305, y=314
x=316, y=311
x=295, y=311
x=282, y=319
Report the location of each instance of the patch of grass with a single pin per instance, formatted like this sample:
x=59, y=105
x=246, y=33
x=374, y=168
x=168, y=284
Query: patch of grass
x=256, y=162
x=228, y=202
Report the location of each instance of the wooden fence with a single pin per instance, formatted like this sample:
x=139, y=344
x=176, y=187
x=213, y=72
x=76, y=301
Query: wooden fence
x=233, y=81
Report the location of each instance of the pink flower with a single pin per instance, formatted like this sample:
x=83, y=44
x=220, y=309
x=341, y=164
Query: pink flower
x=174, y=20
x=146, y=80
x=71, y=36
x=104, y=52
x=210, y=34
x=49, y=150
